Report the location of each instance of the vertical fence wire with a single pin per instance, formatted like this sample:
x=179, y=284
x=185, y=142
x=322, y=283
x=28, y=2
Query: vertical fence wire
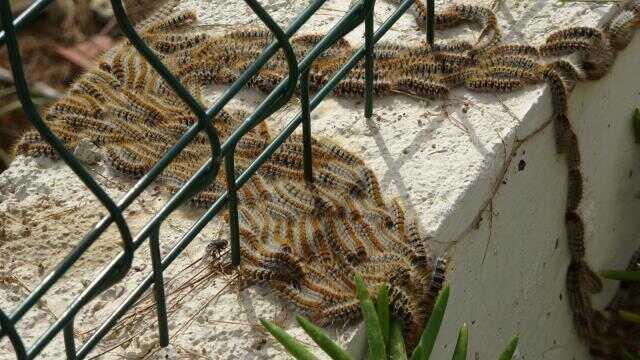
x=369, y=43
x=431, y=11
x=362, y=12
x=69, y=341
x=261, y=113
x=232, y=206
x=158, y=286
x=307, y=155
x=117, y=272
x=204, y=121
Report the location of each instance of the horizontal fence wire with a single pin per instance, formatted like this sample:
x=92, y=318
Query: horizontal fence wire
x=118, y=267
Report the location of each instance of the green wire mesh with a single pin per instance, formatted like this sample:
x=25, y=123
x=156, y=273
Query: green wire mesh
x=119, y=266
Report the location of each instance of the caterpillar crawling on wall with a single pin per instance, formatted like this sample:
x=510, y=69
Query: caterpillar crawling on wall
x=307, y=240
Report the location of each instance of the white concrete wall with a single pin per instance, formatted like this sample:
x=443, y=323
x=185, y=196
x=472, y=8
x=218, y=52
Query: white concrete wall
x=508, y=276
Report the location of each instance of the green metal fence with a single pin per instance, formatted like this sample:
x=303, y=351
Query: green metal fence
x=119, y=266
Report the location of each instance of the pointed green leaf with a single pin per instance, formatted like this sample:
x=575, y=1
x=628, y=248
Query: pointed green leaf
x=460, y=351
x=626, y=355
x=290, y=344
x=375, y=339
x=396, y=341
x=382, y=307
x=508, y=352
x=621, y=275
x=629, y=316
x=636, y=124
x=329, y=346
x=428, y=338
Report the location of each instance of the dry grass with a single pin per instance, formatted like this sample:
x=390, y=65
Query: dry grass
x=49, y=48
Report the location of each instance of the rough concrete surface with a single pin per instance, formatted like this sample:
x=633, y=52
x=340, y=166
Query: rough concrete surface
x=509, y=274
x=444, y=159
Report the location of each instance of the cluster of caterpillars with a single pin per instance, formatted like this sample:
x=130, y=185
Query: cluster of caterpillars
x=307, y=240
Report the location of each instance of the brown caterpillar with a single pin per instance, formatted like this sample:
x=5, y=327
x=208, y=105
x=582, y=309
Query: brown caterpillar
x=512, y=49
x=493, y=84
x=566, y=47
x=421, y=87
x=167, y=21
x=586, y=33
x=344, y=312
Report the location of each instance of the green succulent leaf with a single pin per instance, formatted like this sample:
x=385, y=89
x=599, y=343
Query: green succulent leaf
x=382, y=307
x=375, y=338
x=629, y=316
x=396, y=341
x=621, y=275
x=626, y=355
x=390, y=341
x=462, y=345
x=329, y=346
x=430, y=333
x=290, y=344
x=508, y=352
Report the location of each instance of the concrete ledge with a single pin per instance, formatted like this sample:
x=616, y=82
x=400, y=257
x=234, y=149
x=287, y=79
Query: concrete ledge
x=496, y=211
x=509, y=273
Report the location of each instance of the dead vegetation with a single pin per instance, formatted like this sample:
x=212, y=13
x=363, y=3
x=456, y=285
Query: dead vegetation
x=55, y=48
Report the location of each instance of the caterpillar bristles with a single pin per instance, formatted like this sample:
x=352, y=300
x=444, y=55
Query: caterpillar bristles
x=583, y=32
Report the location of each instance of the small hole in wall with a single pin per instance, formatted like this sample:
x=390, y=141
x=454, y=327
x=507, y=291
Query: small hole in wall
x=521, y=165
